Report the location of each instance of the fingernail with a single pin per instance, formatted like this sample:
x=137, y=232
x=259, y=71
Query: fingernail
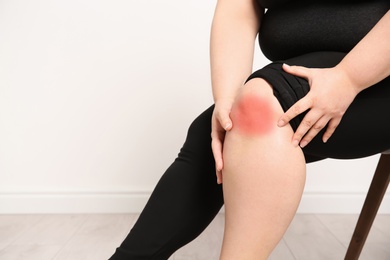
x=281, y=123
x=227, y=126
x=295, y=143
x=303, y=144
x=219, y=165
x=284, y=64
x=325, y=139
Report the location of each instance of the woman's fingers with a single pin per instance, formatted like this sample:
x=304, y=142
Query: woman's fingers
x=225, y=121
x=314, y=130
x=333, y=124
x=297, y=70
x=312, y=124
x=330, y=123
x=216, y=146
x=298, y=108
x=221, y=123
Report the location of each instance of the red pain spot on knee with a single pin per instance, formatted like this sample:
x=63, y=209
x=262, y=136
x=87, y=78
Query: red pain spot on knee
x=253, y=115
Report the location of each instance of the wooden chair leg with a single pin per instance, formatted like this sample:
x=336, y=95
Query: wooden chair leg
x=370, y=208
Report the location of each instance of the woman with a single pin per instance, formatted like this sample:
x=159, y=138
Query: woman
x=264, y=128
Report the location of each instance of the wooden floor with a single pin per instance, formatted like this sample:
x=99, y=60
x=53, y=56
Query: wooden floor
x=95, y=237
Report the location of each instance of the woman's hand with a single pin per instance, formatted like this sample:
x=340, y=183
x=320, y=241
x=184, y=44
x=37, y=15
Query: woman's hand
x=220, y=123
x=331, y=93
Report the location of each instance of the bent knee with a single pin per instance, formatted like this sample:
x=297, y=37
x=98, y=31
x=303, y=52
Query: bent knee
x=256, y=110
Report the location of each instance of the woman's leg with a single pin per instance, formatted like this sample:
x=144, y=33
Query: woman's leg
x=184, y=202
x=263, y=176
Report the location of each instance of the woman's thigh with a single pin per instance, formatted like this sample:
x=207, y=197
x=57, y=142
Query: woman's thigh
x=364, y=129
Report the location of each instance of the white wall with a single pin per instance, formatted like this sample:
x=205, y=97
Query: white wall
x=95, y=100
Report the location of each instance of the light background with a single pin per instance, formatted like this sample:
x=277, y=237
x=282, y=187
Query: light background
x=96, y=98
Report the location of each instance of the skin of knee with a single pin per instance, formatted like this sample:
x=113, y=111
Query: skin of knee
x=253, y=113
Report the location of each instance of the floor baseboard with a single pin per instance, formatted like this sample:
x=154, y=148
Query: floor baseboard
x=133, y=202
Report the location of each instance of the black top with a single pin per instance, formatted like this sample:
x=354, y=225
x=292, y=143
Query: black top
x=291, y=28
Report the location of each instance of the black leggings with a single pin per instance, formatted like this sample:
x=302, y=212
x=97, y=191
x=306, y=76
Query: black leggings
x=187, y=197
